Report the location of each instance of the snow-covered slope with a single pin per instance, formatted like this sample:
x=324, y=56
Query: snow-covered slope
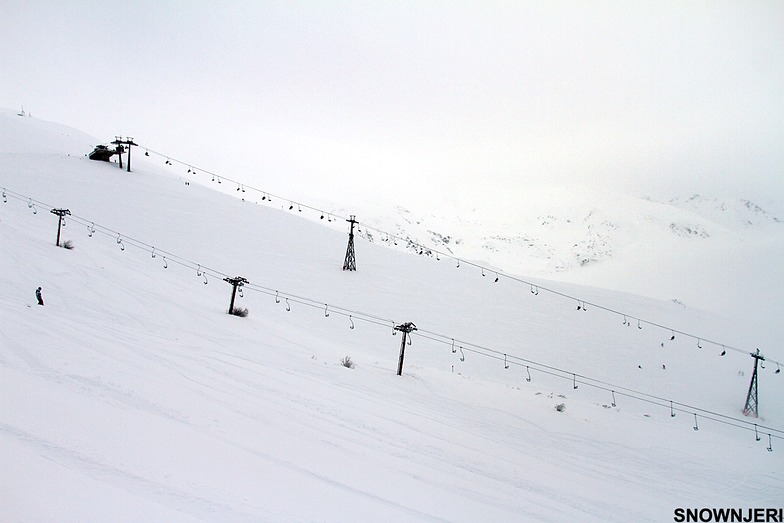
x=695, y=250
x=132, y=395
x=560, y=229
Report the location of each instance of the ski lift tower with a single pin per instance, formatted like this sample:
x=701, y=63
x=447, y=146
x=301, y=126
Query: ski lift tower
x=128, y=142
x=752, y=406
x=350, y=263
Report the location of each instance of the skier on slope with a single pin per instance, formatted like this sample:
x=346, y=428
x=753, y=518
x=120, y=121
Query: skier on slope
x=38, y=295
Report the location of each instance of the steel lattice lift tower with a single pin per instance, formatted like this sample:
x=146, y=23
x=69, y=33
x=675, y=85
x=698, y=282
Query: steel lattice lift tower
x=751, y=398
x=350, y=263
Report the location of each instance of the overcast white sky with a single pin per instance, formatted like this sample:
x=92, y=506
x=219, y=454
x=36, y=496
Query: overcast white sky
x=409, y=101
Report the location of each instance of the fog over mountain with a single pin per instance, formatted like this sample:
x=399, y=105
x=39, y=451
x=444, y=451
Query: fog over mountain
x=445, y=107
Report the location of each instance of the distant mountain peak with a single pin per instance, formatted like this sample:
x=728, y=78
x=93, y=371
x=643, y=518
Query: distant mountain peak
x=556, y=232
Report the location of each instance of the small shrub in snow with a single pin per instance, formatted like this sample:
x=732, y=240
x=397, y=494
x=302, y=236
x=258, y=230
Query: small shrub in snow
x=239, y=311
x=346, y=362
x=67, y=244
x=560, y=407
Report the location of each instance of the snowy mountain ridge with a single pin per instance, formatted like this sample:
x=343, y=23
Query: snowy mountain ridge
x=571, y=235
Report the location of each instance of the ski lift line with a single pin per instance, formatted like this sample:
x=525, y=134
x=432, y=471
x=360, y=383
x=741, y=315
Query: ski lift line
x=191, y=264
x=168, y=259
x=144, y=245
x=369, y=318
x=171, y=257
x=317, y=303
x=300, y=205
x=627, y=317
x=132, y=242
x=709, y=415
x=332, y=309
x=247, y=187
x=497, y=354
x=479, y=350
x=128, y=240
x=598, y=384
x=16, y=196
x=585, y=380
x=348, y=312
x=269, y=194
x=380, y=321
x=475, y=265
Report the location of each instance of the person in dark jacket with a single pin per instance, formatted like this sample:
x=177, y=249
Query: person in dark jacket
x=38, y=295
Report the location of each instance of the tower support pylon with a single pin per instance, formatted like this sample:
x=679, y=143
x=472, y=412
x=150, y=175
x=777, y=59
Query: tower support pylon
x=752, y=403
x=350, y=263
